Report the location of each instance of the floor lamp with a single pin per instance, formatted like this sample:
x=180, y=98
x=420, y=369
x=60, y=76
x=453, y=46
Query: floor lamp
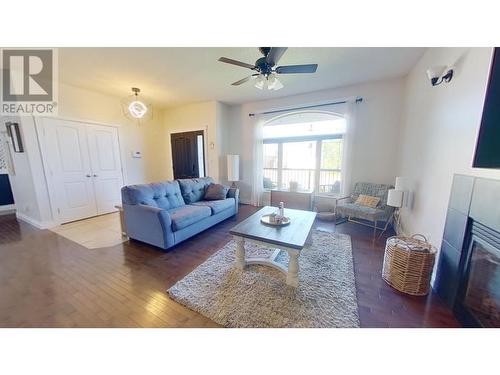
x=233, y=169
x=395, y=199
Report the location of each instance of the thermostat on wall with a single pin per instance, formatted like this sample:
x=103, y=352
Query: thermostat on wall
x=136, y=154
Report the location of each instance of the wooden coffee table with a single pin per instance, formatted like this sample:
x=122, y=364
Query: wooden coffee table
x=290, y=238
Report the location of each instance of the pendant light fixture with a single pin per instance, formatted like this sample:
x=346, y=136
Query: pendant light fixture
x=136, y=109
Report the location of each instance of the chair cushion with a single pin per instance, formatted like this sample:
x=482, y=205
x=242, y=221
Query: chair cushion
x=193, y=189
x=360, y=212
x=165, y=195
x=373, y=190
x=367, y=201
x=217, y=206
x=187, y=215
x=216, y=192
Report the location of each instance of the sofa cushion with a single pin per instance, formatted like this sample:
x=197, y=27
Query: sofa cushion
x=218, y=205
x=215, y=192
x=193, y=189
x=165, y=195
x=187, y=215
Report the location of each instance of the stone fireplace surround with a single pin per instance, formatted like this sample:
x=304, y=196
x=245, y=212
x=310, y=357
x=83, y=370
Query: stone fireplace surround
x=472, y=231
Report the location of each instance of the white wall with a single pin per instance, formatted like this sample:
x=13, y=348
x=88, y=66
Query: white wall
x=374, y=151
x=26, y=195
x=440, y=126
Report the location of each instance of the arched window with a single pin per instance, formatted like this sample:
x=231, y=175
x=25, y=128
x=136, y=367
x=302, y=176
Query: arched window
x=304, y=150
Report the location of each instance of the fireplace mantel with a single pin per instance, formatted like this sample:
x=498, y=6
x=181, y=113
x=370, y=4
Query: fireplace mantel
x=473, y=210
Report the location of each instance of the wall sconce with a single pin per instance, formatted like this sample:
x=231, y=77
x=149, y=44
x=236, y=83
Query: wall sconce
x=439, y=74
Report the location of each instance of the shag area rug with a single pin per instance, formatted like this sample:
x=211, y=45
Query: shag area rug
x=259, y=296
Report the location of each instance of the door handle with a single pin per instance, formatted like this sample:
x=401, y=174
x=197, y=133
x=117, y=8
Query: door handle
x=87, y=175
x=95, y=175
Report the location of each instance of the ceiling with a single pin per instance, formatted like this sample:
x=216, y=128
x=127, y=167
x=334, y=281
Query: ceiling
x=174, y=76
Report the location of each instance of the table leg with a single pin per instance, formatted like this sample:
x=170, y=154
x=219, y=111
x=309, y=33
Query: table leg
x=292, y=277
x=240, y=252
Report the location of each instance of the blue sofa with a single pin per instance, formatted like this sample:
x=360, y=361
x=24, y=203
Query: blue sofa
x=166, y=213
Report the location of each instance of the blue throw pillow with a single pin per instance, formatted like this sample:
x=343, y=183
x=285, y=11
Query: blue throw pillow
x=215, y=192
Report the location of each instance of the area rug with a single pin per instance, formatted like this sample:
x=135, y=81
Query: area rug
x=258, y=295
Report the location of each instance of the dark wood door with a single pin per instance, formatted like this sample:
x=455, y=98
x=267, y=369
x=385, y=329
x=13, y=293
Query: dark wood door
x=187, y=153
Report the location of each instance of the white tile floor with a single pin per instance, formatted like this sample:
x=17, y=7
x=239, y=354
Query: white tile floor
x=95, y=232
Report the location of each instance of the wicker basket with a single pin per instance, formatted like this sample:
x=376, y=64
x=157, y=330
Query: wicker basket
x=408, y=263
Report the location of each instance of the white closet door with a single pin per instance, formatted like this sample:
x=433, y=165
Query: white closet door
x=106, y=166
x=70, y=169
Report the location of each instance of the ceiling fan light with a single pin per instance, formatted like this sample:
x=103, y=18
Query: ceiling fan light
x=274, y=83
x=260, y=82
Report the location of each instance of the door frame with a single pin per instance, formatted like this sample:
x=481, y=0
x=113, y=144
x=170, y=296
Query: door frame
x=205, y=149
x=40, y=131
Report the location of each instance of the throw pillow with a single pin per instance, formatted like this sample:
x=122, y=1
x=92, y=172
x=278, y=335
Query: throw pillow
x=216, y=192
x=367, y=201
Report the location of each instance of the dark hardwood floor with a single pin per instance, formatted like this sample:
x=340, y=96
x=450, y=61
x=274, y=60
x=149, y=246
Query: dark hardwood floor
x=49, y=281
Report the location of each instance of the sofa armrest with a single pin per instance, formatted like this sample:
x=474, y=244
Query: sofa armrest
x=234, y=193
x=149, y=224
x=341, y=200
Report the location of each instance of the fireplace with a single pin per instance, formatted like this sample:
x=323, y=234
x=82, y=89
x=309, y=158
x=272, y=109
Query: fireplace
x=478, y=297
x=468, y=271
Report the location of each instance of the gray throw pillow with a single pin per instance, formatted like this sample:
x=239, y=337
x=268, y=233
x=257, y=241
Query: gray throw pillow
x=216, y=192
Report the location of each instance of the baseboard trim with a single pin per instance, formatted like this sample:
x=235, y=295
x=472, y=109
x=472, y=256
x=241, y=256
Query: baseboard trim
x=7, y=209
x=36, y=223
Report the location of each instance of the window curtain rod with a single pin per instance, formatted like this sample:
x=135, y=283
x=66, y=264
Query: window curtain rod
x=357, y=100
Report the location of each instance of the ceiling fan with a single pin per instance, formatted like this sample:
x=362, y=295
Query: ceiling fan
x=266, y=69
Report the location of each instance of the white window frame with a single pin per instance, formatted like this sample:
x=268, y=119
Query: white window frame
x=317, y=168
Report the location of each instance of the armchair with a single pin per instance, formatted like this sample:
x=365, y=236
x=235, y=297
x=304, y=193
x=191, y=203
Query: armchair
x=346, y=206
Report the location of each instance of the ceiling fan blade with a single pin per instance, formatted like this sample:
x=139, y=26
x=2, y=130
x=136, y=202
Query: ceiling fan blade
x=291, y=69
x=275, y=54
x=237, y=83
x=236, y=62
